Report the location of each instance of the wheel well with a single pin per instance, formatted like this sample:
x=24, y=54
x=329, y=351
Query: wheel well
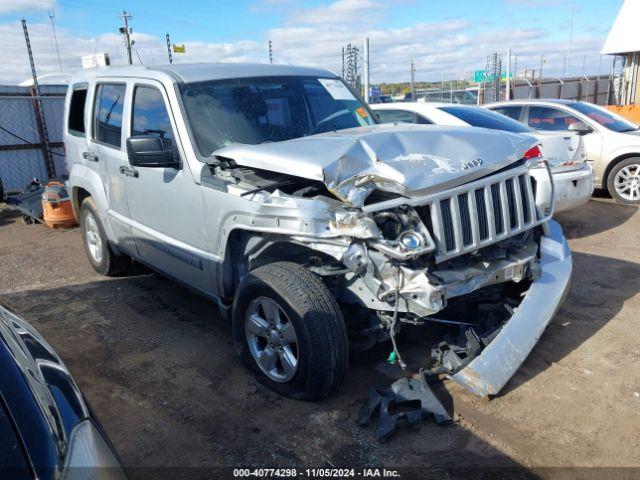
x=248, y=250
x=613, y=163
x=79, y=194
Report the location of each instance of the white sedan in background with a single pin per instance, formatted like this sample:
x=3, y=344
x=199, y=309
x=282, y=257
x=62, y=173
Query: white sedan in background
x=611, y=142
x=573, y=179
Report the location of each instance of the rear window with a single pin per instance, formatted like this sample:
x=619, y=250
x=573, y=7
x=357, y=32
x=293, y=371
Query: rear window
x=605, y=118
x=76, y=111
x=479, y=117
x=107, y=114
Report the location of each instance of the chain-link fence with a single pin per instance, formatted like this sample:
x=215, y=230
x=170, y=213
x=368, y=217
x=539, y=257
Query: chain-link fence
x=23, y=149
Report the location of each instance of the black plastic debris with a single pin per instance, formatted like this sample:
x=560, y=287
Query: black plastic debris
x=408, y=399
x=451, y=358
x=28, y=201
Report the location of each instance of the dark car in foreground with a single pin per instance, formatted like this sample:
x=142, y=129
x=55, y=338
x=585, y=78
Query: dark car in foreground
x=47, y=430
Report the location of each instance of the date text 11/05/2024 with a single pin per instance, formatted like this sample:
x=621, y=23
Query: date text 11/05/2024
x=316, y=473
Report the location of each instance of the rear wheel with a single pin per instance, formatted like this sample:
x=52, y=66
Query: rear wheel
x=624, y=181
x=288, y=329
x=100, y=254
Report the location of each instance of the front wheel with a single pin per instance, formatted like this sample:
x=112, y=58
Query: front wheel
x=288, y=329
x=624, y=181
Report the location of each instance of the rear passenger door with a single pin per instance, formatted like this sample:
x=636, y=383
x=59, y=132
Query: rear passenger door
x=107, y=152
x=166, y=204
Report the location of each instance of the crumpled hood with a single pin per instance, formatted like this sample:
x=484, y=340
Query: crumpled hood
x=410, y=160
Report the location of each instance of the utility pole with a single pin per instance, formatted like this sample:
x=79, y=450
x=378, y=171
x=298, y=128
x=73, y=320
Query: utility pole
x=541, y=62
x=169, y=48
x=366, y=70
x=413, y=80
x=126, y=31
x=39, y=112
x=270, y=52
x=508, y=84
x=568, y=54
x=52, y=15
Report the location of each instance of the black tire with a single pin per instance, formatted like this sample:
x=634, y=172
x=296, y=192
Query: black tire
x=109, y=263
x=611, y=179
x=322, y=344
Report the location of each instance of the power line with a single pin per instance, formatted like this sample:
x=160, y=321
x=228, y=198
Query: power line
x=15, y=135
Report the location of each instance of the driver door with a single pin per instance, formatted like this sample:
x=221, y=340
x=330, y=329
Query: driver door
x=165, y=203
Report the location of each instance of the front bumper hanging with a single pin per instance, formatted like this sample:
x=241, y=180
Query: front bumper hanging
x=491, y=370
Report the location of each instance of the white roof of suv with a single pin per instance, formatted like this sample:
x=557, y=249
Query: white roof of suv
x=200, y=72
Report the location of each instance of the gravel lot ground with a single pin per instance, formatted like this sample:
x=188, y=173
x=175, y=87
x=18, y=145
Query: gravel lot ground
x=158, y=366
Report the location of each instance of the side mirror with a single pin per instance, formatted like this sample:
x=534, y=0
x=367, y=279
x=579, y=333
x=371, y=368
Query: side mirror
x=149, y=151
x=580, y=128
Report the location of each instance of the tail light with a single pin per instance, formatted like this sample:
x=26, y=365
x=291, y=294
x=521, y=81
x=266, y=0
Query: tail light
x=533, y=152
x=534, y=157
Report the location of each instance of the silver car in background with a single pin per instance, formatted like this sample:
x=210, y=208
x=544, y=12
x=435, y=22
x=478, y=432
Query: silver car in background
x=611, y=142
x=572, y=175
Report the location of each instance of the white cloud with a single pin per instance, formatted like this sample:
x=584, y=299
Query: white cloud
x=340, y=11
x=447, y=49
x=7, y=6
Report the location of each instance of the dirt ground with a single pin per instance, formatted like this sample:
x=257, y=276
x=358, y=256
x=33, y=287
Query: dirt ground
x=158, y=367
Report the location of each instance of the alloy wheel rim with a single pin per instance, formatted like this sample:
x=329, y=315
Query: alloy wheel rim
x=272, y=339
x=92, y=236
x=627, y=182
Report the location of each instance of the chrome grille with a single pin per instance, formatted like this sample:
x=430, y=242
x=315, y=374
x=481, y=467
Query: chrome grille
x=481, y=213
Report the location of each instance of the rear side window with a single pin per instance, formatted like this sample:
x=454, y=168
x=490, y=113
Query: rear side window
x=392, y=116
x=511, y=112
x=150, y=117
x=479, y=117
x=550, y=119
x=75, y=122
x=107, y=114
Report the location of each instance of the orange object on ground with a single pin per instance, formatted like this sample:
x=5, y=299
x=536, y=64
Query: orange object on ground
x=56, y=206
x=630, y=112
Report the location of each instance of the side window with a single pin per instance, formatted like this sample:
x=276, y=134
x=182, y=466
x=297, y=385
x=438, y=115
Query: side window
x=107, y=114
x=150, y=117
x=550, y=119
x=512, y=112
x=75, y=122
x=392, y=116
x=423, y=120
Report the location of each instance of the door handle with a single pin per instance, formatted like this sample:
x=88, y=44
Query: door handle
x=128, y=171
x=92, y=157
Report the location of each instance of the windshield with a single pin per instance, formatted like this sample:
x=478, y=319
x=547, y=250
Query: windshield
x=269, y=109
x=479, y=117
x=604, y=117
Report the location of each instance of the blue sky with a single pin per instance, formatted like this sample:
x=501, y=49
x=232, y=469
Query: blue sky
x=448, y=39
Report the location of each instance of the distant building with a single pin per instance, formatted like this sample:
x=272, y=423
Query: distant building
x=624, y=42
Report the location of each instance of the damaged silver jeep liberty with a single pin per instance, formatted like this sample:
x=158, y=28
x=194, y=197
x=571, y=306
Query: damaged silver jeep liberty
x=273, y=191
